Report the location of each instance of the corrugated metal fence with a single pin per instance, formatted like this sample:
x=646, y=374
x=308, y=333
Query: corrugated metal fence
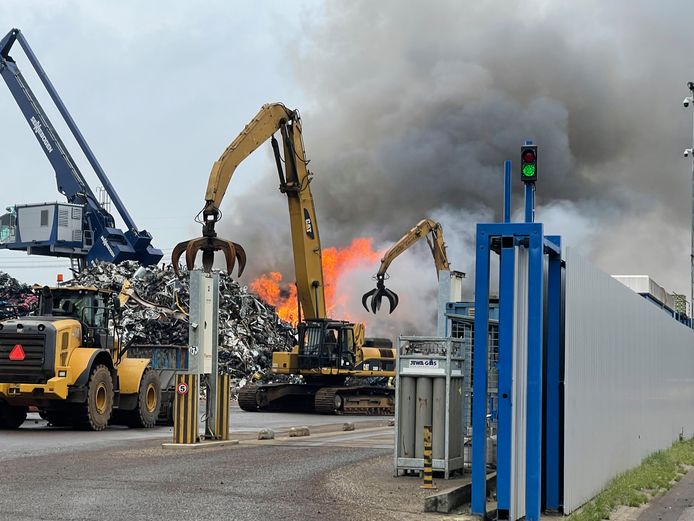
x=629, y=380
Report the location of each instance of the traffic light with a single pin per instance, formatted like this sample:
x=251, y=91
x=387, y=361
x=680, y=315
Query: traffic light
x=529, y=163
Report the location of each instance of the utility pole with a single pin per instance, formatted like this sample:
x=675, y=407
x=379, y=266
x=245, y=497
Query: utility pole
x=689, y=152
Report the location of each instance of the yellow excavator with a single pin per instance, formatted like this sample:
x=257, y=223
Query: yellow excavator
x=328, y=352
x=426, y=228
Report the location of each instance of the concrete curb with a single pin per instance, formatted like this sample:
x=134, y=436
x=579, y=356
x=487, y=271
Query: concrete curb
x=201, y=445
x=447, y=500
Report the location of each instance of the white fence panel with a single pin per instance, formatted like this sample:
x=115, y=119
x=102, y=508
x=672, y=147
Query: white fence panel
x=629, y=380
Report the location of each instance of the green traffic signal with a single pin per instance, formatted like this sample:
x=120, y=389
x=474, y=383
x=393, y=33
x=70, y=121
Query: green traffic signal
x=529, y=163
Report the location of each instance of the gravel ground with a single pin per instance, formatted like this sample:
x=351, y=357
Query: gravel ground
x=375, y=494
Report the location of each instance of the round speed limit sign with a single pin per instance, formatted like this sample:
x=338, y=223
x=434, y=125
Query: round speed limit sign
x=182, y=388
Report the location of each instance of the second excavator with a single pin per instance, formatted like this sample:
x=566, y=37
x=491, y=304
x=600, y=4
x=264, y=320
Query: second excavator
x=426, y=228
x=332, y=357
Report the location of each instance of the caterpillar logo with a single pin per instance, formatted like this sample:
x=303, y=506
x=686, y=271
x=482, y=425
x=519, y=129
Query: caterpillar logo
x=38, y=130
x=309, y=224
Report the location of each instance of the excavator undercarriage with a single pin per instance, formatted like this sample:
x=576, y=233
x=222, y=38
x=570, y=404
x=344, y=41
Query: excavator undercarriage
x=317, y=398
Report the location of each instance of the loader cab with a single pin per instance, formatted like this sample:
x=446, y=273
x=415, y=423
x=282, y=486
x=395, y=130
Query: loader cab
x=326, y=344
x=91, y=307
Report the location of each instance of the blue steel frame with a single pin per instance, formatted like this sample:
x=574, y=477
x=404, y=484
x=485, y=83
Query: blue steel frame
x=503, y=238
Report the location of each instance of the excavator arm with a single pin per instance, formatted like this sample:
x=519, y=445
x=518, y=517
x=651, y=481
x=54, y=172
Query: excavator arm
x=426, y=228
x=295, y=181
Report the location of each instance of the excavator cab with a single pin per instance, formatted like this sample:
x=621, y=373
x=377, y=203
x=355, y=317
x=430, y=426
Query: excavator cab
x=326, y=344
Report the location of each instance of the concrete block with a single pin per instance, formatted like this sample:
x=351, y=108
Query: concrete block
x=348, y=426
x=199, y=445
x=449, y=499
x=266, y=434
x=296, y=432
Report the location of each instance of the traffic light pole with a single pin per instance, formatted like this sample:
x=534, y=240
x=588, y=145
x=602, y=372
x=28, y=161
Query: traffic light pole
x=529, y=202
x=507, y=191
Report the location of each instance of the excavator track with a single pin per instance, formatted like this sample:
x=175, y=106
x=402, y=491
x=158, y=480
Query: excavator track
x=368, y=400
x=247, y=398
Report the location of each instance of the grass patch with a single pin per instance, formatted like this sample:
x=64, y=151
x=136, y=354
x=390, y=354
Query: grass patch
x=635, y=487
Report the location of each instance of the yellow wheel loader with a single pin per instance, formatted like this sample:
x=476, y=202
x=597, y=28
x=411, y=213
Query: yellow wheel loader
x=68, y=363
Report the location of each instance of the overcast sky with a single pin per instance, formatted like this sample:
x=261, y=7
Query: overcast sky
x=409, y=109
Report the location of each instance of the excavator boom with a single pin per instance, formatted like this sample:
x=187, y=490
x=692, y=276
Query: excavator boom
x=295, y=181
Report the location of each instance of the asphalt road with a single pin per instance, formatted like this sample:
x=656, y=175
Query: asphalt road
x=36, y=438
x=149, y=483
x=61, y=474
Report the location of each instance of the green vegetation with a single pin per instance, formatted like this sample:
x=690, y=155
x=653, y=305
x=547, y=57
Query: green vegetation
x=654, y=476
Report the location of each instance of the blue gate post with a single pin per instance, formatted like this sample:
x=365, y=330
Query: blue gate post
x=479, y=382
x=552, y=385
x=533, y=440
x=505, y=368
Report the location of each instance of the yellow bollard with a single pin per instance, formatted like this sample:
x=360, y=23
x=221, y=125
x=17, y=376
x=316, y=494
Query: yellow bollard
x=186, y=409
x=221, y=428
x=428, y=470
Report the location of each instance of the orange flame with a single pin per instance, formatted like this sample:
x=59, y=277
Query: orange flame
x=337, y=262
x=270, y=288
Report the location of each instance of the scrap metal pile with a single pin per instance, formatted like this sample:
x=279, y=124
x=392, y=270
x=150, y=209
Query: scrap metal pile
x=249, y=329
x=16, y=299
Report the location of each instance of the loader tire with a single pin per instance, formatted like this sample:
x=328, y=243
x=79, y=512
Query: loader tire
x=145, y=414
x=96, y=411
x=12, y=417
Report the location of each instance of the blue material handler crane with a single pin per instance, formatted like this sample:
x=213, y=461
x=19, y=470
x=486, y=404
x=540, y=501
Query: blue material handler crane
x=83, y=229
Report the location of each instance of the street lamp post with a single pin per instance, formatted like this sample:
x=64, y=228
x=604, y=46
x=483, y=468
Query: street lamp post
x=689, y=152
